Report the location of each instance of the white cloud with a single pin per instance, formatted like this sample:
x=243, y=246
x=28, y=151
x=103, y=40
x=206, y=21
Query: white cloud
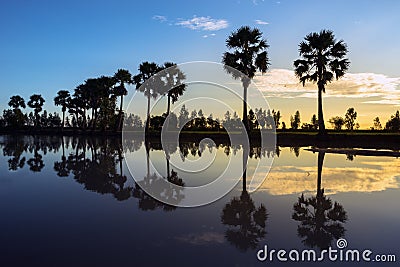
x=261, y=22
x=256, y=2
x=204, y=24
x=283, y=83
x=159, y=18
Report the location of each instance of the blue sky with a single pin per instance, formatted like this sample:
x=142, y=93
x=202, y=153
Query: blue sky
x=51, y=45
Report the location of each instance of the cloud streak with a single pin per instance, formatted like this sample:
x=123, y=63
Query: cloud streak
x=283, y=83
x=160, y=18
x=204, y=24
x=261, y=22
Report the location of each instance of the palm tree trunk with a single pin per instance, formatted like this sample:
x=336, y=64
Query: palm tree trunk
x=321, y=156
x=148, y=114
x=63, y=121
x=120, y=114
x=169, y=104
x=245, y=119
x=244, y=160
x=321, y=123
x=168, y=172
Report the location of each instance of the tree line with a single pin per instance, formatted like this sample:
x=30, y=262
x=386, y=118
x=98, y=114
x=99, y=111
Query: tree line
x=92, y=106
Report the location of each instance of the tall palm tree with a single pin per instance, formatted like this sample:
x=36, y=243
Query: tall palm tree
x=122, y=77
x=174, y=78
x=147, y=85
x=36, y=103
x=62, y=100
x=322, y=59
x=249, y=54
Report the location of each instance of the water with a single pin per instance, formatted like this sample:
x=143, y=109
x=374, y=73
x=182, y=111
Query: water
x=73, y=202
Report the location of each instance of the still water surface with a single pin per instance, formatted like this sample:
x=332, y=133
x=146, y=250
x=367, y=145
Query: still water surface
x=73, y=202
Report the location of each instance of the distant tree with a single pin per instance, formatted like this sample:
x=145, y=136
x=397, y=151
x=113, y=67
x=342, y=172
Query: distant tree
x=393, y=123
x=15, y=118
x=323, y=58
x=252, y=120
x=377, y=124
x=350, y=119
x=147, y=84
x=283, y=125
x=295, y=120
x=16, y=102
x=62, y=100
x=314, y=122
x=36, y=103
x=249, y=54
x=277, y=116
x=183, y=116
x=122, y=77
x=337, y=122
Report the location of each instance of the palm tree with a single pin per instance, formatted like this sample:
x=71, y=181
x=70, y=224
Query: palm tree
x=174, y=83
x=16, y=102
x=322, y=59
x=36, y=103
x=149, y=87
x=62, y=100
x=122, y=77
x=249, y=54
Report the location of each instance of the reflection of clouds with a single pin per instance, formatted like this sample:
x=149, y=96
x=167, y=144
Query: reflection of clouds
x=283, y=83
x=372, y=176
x=202, y=238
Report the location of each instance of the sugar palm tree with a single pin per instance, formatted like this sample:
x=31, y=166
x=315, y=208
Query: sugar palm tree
x=36, y=103
x=248, y=54
x=322, y=59
x=62, y=100
x=147, y=85
x=122, y=77
x=174, y=83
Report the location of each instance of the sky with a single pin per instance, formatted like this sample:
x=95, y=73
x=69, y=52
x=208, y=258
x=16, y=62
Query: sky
x=47, y=46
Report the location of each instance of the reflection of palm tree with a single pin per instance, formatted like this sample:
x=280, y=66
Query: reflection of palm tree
x=321, y=220
x=36, y=163
x=247, y=223
x=159, y=188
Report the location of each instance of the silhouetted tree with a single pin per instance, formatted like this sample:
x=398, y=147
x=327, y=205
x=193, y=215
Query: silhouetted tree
x=377, y=124
x=323, y=58
x=147, y=84
x=295, y=121
x=249, y=54
x=337, y=122
x=350, y=119
x=173, y=78
x=394, y=123
x=62, y=100
x=122, y=77
x=36, y=103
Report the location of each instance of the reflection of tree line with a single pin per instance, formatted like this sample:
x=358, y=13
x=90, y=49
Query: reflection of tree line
x=97, y=164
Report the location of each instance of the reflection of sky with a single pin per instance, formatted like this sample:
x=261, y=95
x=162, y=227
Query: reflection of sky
x=42, y=213
x=293, y=176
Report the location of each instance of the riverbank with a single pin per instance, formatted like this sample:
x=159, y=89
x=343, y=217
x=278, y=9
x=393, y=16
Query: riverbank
x=300, y=138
